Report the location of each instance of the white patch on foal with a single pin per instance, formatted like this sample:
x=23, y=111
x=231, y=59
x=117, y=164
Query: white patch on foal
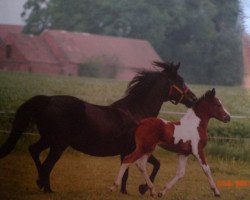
x=187, y=130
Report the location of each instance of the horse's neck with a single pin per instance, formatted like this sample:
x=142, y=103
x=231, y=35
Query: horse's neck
x=141, y=108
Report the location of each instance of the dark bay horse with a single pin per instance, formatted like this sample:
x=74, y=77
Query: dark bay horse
x=188, y=136
x=64, y=121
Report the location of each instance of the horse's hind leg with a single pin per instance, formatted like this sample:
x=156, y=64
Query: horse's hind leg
x=35, y=150
x=47, y=166
x=156, y=166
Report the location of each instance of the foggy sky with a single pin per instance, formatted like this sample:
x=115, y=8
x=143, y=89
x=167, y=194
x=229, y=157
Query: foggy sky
x=10, y=11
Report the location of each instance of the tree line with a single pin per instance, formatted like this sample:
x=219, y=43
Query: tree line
x=205, y=36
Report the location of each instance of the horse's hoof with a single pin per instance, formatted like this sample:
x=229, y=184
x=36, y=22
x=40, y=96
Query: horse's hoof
x=143, y=188
x=124, y=191
x=39, y=184
x=48, y=191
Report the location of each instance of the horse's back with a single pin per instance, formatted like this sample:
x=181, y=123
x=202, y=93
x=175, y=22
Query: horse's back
x=62, y=116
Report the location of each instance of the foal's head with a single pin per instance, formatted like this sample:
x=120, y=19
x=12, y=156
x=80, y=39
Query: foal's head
x=210, y=105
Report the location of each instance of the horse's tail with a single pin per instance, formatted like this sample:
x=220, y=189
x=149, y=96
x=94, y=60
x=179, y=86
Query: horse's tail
x=25, y=113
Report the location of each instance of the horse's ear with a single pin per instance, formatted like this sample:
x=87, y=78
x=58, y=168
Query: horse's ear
x=213, y=92
x=174, y=68
x=159, y=64
x=177, y=66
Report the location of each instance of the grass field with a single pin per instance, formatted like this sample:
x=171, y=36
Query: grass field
x=78, y=176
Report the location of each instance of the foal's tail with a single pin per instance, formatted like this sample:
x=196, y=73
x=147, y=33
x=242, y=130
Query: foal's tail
x=25, y=113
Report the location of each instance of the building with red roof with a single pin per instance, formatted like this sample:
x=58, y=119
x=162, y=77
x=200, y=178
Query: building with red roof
x=4, y=31
x=61, y=52
x=28, y=53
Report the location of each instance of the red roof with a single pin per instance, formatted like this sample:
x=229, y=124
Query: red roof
x=6, y=29
x=82, y=47
x=66, y=50
x=33, y=48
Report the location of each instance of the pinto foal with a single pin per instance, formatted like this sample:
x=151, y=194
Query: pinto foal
x=188, y=136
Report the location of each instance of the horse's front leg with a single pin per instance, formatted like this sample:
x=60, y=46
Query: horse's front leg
x=207, y=171
x=156, y=166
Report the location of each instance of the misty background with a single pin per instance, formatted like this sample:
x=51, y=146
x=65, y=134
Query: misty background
x=10, y=12
x=204, y=35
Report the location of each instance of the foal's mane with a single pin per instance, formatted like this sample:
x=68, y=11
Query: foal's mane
x=145, y=79
x=199, y=100
x=203, y=97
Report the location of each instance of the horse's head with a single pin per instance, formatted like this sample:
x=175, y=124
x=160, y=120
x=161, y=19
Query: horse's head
x=213, y=106
x=177, y=90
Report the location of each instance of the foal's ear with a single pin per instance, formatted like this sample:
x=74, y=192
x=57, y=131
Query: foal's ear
x=210, y=94
x=213, y=92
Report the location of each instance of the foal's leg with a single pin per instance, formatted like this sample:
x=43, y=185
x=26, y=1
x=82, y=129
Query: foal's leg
x=135, y=155
x=35, y=150
x=156, y=166
x=180, y=173
x=118, y=180
x=207, y=171
x=47, y=166
x=124, y=178
x=141, y=164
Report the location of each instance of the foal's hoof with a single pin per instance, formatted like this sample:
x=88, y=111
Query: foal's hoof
x=160, y=194
x=217, y=195
x=113, y=188
x=216, y=192
x=153, y=194
x=143, y=188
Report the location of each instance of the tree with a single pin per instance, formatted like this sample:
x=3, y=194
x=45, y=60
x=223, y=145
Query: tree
x=204, y=35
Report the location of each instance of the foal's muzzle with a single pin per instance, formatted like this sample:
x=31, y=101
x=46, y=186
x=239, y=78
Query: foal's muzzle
x=226, y=118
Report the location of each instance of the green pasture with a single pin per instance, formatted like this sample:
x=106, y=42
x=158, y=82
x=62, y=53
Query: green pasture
x=15, y=88
x=79, y=176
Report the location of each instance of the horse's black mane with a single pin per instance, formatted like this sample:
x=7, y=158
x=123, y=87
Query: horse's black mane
x=145, y=79
x=142, y=82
